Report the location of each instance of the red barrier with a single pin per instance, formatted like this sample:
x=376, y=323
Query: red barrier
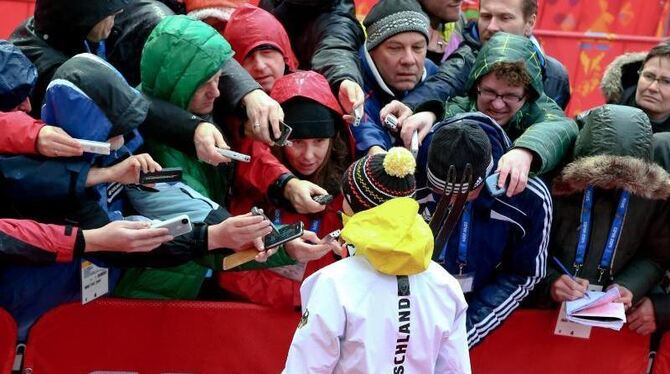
x=7, y=342
x=662, y=360
x=151, y=337
x=526, y=343
x=12, y=13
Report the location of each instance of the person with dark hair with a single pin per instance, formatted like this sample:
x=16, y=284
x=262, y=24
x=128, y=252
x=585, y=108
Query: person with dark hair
x=505, y=85
x=642, y=80
x=325, y=36
x=394, y=64
x=613, y=192
x=320, y=151
x=388, y=291
x=496, y=245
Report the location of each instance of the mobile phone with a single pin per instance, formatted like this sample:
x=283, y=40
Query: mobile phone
x=285, y=234
x=323, y=199
x=358, y=115
x=286, y=131
x=166, y=175
x=259, y=212
x=91, y=146
x=492, y=185
x=176, y=226
x=234, y=155
x=414, y=147
x=391, y=122
x=332, y=236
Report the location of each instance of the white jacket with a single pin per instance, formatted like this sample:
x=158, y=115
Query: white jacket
x=354, y=321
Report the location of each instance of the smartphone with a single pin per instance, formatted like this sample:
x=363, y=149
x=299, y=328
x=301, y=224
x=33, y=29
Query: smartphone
x=332, y=236
x=91, y=146
x=259, y=212
x=323, y=199
x=391, y=122
x=285, y=234
x=166, y=175
x=234, y=155
x=414, y=147
x=176, y=226
x=492, y=185
x=286, y=131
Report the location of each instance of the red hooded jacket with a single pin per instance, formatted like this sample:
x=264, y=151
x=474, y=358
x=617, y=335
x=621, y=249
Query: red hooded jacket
x=250, y=27
x=265, y=286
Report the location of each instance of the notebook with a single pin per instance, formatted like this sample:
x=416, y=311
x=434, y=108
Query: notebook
x=597, y=309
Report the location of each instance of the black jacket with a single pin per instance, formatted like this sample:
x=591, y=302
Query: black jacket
x=325, y=36
x=450, y=79
x=124, y=50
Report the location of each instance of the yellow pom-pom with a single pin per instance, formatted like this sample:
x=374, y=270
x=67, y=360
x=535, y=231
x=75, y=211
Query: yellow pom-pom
x=399, y=162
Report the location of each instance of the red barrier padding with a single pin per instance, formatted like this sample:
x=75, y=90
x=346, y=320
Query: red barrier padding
x=151, y=337
x=12, y=13
x=525, y=343
x=662, y=360
x=7, y=342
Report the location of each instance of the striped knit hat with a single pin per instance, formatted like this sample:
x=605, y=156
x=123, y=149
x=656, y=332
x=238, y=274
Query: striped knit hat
x=375, y=179
x=390, y=17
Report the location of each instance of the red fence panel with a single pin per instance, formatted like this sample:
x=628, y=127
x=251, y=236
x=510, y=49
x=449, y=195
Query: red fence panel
x=151, y=337
x=12, y=13
x=7, y=342
x=526, y=343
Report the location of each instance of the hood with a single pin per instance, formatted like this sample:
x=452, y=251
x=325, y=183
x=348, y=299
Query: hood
x=90, y=100
x=614, y=151
x=307, y=84
x=180, y=55
x=250, y=27
x=504, y=47
x=391, y=236
x=17, y=76
x=221, y=10
x=65, y=24
x=620, y=74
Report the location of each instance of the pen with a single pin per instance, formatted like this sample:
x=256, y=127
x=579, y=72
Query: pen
x=565, y=271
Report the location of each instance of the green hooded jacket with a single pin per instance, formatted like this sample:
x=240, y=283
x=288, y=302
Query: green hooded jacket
x=179, y=56
x=612, y=153
x=539, y=125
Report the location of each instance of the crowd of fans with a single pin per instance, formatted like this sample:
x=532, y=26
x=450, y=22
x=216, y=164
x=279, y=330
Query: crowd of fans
x=168, y=84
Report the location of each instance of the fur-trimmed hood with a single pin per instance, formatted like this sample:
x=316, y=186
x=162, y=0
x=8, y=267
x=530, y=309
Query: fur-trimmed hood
x=621, y=74
x=613, y=151
x=640, y=177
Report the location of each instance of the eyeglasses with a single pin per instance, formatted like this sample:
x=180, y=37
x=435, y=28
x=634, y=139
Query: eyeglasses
x=508, y=98
x=650, y=78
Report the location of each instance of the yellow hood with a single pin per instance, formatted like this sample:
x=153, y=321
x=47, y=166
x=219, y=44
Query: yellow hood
x=392, y=236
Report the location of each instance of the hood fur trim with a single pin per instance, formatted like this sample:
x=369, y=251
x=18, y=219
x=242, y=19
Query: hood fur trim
x=641, y=178
x=222, y=14
x=610, y=85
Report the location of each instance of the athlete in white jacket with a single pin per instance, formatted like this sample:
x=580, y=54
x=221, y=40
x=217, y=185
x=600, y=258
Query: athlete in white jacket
x=388, y=308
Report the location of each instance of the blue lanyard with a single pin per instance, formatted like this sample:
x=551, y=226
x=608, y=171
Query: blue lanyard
x=612, y=237
x=314, y=226
x=463, y=239
x=100, y=52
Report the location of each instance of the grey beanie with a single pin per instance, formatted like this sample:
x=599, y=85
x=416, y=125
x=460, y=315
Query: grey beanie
x=390, y=17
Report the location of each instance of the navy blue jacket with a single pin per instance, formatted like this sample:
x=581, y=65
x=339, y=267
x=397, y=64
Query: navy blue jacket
x=508, y=242
x=371, y=131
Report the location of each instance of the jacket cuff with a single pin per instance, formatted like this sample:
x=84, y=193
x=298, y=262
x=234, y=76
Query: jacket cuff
x=276, y=190
x=661, y=310
x=79, y=244
x=200, y=238
x=434, y=106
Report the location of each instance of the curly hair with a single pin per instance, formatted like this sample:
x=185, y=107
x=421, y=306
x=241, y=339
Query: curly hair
x=512, y=73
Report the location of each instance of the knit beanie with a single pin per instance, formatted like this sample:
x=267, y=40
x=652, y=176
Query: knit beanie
x=390, y=17
x=309, y=119
x=17, y=76
x=457, y=144
x=372, y=180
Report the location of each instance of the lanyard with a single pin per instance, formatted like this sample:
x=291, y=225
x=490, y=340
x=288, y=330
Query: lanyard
x=314, y=226
x=612, y=237
x=463, y=239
